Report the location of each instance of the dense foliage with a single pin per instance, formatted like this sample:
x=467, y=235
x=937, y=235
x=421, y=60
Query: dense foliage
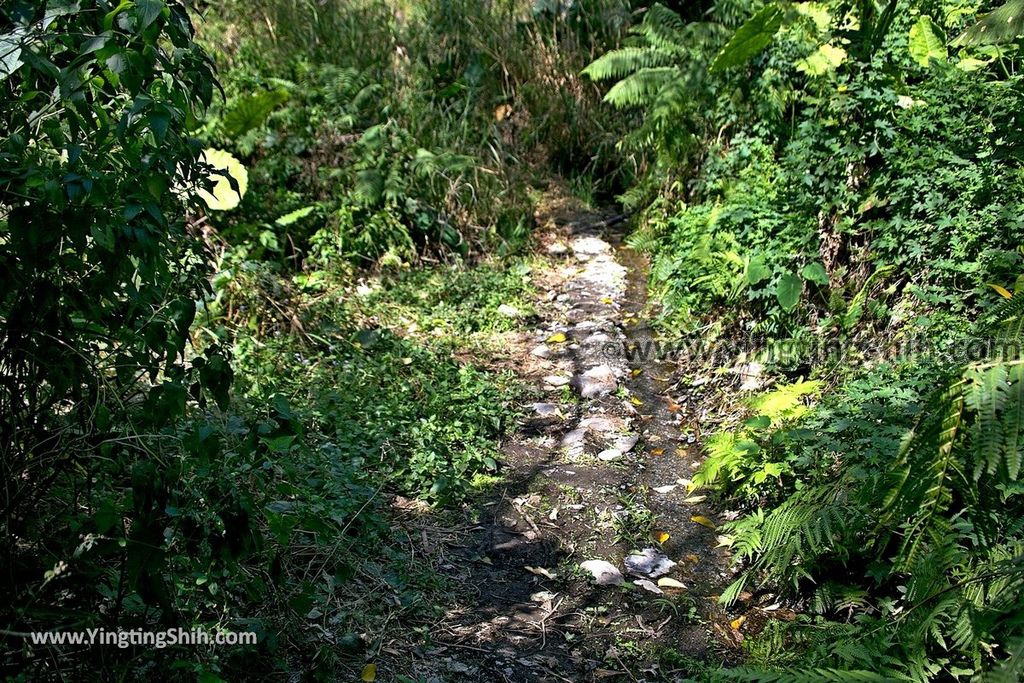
x=848, y=179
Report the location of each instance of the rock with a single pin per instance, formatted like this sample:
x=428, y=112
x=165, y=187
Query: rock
x=604, y=573
x=542, y=351
x=595, y=382
x=589, y=246
x=649, y=562
x=556, y=381
x=609, y=455
x=509, y=311
x=545, y=409
x=625, y=442
x=750, y=376
x=558, y=249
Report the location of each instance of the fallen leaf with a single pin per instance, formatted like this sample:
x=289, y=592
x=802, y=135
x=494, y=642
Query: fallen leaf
x=557, y=338
x=635, y=371
x=659, y=536
x=668, y=488
x=369, y=673
x=694, y=499
x=703, y=521
x=648, y=585
x=666, y=582
x=606, y=300
x=725, y=541
x=657, y=451
x=692, y=558
x=543, y=596
x=673, y=407
x=541, y=571
x=635, y=401
x=736, y=623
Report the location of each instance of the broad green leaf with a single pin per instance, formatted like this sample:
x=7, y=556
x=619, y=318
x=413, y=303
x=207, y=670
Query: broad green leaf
x=822, y=61
x=788, y=291
x=817, y=12
x=757, y=270
x=750, y=38
x=225, y=195
x=1002, y=25
x=10, y=51
x=925, y=42
x=815, y=272
x=251, y=111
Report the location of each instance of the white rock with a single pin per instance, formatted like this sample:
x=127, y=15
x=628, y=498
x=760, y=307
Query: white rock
x=609, y=455
x=542, y=351
x=604, y=573
x=649, y=562
x=545, y=409
x=556, y=381
x=509, y=311
x=595, y=382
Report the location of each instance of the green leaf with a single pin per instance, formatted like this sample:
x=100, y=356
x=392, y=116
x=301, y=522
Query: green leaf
x=1002, y=25
x=788, y=291
x=296, y=215
x=757, y=270
x=815, y=272
x=251, y=111
x=750, y=38
x=925, y=43
x=824, y=60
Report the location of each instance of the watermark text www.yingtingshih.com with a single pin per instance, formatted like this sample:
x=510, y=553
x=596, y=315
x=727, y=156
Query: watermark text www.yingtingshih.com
x=123, y=639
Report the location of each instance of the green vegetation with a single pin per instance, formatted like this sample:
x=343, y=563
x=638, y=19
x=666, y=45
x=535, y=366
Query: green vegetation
x=259, y=258
x=851, y=175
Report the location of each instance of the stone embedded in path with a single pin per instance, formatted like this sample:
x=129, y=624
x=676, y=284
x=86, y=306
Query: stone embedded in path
x=596, y=382
x=609, y=454
x=542, y=351
x=545, y=409
x=590, y=246
x=649, y=562
x=556, y=381
x=604, y=573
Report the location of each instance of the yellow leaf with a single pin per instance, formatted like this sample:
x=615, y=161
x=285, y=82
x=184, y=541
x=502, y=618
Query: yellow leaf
x=1003, y=292
x=502, y=112
x=635, y=401
x=660, y=536
x=666, y=582
x=703, y=521
x=692, y=558
x=606, y=300
x=369, y=673
x=556, y=338
x=736, y=623
x=635, y=371
x=657, y=451
x=694, y=499
x=224, y=196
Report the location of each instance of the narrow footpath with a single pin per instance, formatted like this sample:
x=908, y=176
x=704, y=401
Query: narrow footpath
x=594, y=561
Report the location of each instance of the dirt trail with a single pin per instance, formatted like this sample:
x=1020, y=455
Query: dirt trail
x=594, y=475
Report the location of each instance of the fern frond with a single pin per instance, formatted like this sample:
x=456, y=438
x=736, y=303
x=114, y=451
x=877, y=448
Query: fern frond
x=641, y=87
x=625, y=61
